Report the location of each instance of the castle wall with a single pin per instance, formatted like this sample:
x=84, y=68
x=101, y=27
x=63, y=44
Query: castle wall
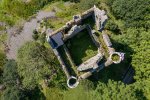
x=62, y=63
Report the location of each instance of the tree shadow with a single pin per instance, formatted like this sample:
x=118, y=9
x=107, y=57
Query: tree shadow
x=115, y=72
x=35, y=94
x=140, y=95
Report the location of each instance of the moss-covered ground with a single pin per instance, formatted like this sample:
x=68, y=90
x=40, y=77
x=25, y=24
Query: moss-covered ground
x=81, y=47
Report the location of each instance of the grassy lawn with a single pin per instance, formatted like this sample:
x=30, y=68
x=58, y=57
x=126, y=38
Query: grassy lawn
x=81, y=47
x=53, y=94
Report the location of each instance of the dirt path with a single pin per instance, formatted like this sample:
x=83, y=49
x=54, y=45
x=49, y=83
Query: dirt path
x=15, y=42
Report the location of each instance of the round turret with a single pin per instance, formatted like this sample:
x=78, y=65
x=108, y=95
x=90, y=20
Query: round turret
x=72, y=82
x=115, y=57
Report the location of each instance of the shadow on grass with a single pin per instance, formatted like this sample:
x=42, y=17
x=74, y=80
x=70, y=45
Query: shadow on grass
x=35, y=94
x=115, y=72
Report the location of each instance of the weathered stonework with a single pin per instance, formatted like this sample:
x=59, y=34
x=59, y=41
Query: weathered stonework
x=74, y=26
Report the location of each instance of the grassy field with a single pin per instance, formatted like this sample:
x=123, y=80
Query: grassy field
x=81, y=47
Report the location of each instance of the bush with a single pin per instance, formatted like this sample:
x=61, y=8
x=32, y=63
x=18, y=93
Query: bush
x=86, y=4
x=134, y=12
x=35, y=36
x=12, y=10
x=12, y=93
x=42, y=38
x=2, y=60
x=111, y=26
x=35, y=63
x=35, y=31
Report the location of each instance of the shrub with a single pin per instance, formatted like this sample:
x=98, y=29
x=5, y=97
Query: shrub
x=35, y=36
x=42, y=38
x=111, y=26
x=86, y=4
x=134, y=12
x=35, y=31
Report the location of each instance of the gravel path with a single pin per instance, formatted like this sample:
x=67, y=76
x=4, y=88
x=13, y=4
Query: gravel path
x=15, y=42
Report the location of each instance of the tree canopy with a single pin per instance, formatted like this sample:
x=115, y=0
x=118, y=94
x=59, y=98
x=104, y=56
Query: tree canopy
x=136, y=13
x=35, y=62
x=128, y=26
x=138, y=41
x=10, y=74
x=11, y=82
x=13, y=93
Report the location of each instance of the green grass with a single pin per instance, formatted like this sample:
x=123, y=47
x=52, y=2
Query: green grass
x=51, y=6
x=2, y=28
x=63, y=15
x=56, y=23
x=78, y=93
x=115, y=57
x=52, y=93
x=14, y=10
x=81, y=47
x=0, y=94
x=3, y=37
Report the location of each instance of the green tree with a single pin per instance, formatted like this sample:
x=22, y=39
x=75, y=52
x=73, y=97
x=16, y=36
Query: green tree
x=11, y=80
x=10, y=74
x=111, y=26
x=86, y=4
x=35, y=63
x=2, y=61
x=13, y=93
x=138, y=41
x=117, y=90
x=134, y=12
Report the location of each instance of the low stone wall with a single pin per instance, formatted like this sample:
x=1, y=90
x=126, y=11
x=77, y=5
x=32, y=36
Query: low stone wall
x=108, y=43
x=72, y=22
x=73, y=32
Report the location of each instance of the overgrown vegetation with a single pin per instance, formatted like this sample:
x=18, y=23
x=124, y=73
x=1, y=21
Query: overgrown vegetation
x=135, y=13
x=37, y=61
x=3, y=37
x=14, y=10
x=115, y=57
x=11, y=82
x=37, y=75
x=81, y=47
